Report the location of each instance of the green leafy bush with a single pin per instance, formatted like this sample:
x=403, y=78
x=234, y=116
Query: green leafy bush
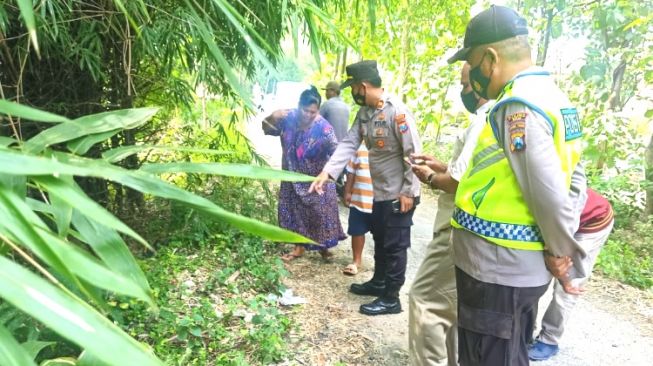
x=213, y=303
x=628, y=255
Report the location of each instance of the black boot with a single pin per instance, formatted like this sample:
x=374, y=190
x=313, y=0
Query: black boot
x=382, y=305
x=371, y=288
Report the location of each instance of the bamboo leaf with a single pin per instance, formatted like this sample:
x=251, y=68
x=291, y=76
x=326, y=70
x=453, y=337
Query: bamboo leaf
x=27, y=12
x=70, y=193
x=33, y=348
x=13, y=163
x=88, y=125
x=7, y=141
x=232, y=170
x=219, y=57
x=33, y=114
x=122, y=152
x=81, y=145
x=19, y=221
x=110, y=248
x=92, y=271
x=11, y=353
x=70, y=317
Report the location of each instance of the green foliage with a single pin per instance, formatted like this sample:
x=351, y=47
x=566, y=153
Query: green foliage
x=628, y=255
x=74, y=243
x=624, y=192
x=213, y=303
x=410, y=47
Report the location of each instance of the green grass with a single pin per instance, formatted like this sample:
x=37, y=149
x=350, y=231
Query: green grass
x=213, y=305
x=628, y=255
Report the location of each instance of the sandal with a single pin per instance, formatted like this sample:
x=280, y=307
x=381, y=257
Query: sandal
x=289, y=257
x=350, y=270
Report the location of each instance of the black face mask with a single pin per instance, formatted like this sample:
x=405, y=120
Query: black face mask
x=470, y=101
x=479, y=82
x=359, y=98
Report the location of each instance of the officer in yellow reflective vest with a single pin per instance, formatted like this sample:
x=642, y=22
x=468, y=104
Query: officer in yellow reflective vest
x=518, y=204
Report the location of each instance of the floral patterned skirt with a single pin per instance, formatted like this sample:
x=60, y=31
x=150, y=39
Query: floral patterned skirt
x=312, y=215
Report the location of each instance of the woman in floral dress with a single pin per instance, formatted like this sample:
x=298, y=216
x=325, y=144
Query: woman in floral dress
x=307, y=141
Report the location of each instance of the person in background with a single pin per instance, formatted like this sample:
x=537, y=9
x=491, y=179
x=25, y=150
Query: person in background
x=596, y=222
x=432, y=332
x=307, y=142
x=390, y=133
x=335, y=110
x=359, y=196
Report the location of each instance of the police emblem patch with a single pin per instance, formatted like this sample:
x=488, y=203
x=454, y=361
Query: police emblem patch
x=517, y=131
x=380, y=144
x=400, y=120
x=573, y=128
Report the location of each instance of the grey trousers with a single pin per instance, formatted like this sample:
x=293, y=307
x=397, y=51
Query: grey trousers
x=432, y=333
x=562, y=303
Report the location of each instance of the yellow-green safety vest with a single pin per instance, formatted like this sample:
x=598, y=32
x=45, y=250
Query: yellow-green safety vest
x=489, y=201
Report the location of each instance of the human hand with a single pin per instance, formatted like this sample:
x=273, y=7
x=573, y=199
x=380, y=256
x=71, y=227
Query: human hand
x=558, y=266
x=571, y=289
x=422, y=172
x=430, y=161
x=406, y=203
x=280, y=114
x=318, y=183
x=347, y=199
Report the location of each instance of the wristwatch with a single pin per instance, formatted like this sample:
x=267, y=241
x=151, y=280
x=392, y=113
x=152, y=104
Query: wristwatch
x=429, y=179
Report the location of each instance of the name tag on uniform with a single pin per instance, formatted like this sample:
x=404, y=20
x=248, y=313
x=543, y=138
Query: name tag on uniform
x=570, y=118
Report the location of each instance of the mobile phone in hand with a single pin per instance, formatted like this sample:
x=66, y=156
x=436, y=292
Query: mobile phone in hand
x=396, y=206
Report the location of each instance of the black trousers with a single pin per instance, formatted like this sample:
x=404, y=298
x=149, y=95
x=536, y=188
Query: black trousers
x=391, y=233
x=495, y=322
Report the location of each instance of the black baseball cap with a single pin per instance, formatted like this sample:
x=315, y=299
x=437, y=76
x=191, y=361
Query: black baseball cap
x=491, y=25
x=360, y=71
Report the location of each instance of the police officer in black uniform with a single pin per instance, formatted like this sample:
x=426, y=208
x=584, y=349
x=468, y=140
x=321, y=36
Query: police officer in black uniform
x=389, y=130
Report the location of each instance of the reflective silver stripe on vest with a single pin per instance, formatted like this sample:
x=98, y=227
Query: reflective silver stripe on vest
x=484, y=153
x=486, y=163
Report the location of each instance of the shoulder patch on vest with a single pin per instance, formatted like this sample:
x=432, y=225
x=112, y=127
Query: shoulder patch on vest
x=517, y=130
x=573, y=128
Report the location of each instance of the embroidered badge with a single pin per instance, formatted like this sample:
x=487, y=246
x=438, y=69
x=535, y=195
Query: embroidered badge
x=400, y=120
x=379, y=132
x=380, y=144
x=573, y=129
x=517, y=130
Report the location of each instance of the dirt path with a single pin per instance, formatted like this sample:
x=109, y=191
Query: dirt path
x=611, y=325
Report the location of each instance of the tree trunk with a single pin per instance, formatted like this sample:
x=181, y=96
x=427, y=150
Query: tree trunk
x=649, y=179
x=404, y=62
x=546, y=38
x=614, y=102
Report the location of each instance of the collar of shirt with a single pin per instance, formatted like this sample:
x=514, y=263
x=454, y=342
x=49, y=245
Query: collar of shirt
x=369, y=112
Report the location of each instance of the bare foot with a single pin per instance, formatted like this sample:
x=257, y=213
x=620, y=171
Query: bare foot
x=326, y=255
